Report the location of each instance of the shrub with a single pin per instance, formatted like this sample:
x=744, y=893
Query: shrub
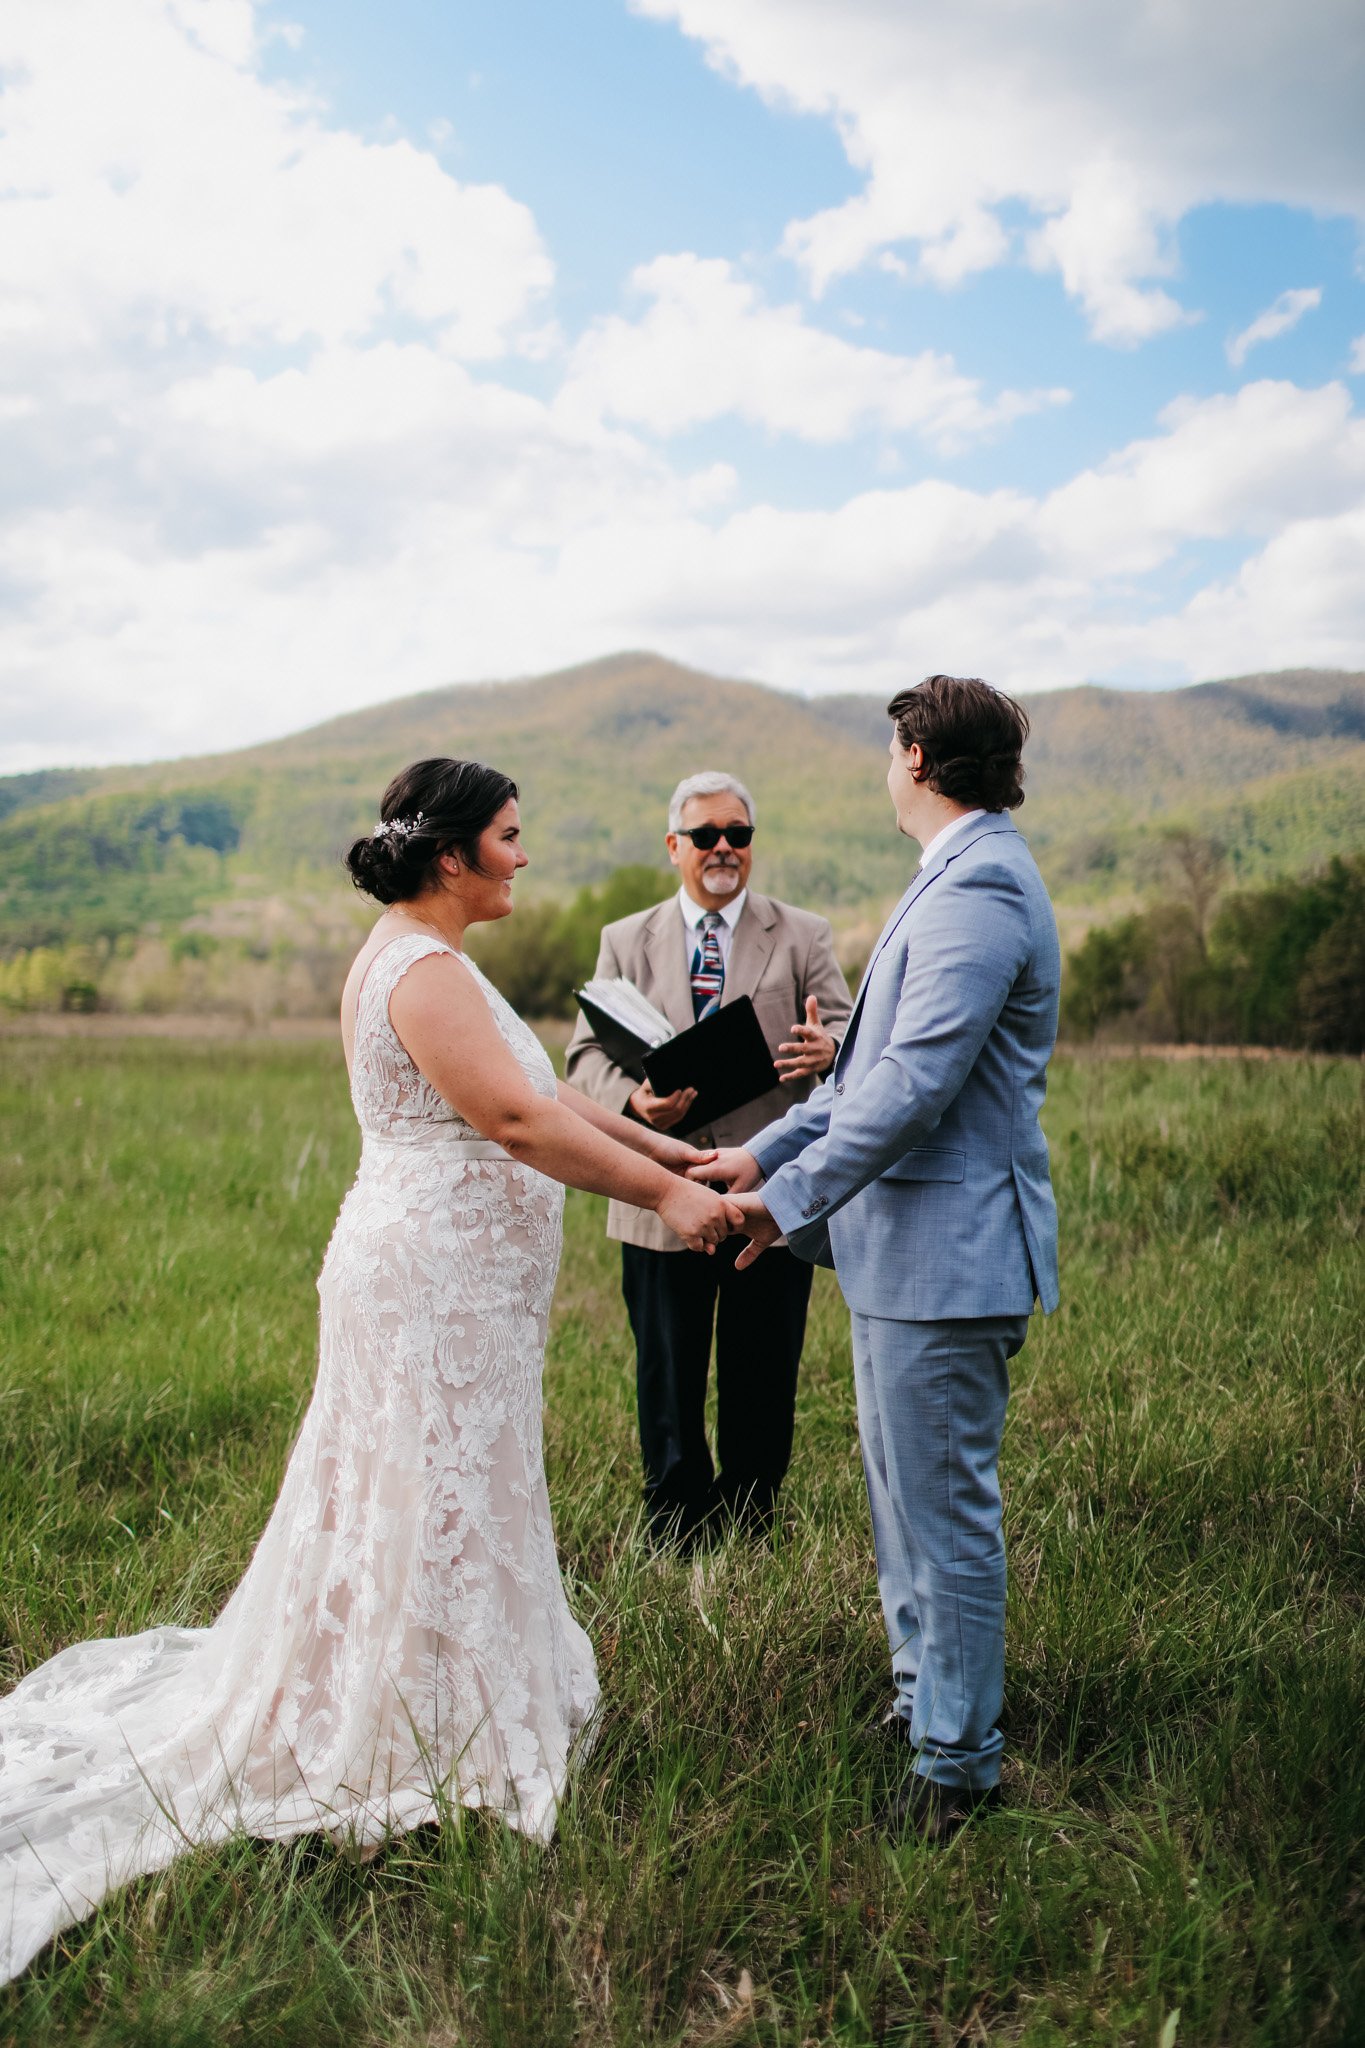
x=1101, y=976
x=1331, y=990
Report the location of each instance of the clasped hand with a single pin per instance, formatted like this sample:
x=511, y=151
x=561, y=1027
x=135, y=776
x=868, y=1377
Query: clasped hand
x=692, y=1210
x=703, y=1217
x=739, y=1173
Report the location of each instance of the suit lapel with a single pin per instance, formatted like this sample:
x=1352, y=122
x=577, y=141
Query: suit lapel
x=750, y=948
x=887, y=929
x=669, y=956
x=990, y=821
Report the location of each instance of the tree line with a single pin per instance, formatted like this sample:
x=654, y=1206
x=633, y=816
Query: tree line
x=1280, y=965
x=1201, y=962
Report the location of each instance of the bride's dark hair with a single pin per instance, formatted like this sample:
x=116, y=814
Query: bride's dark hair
x=433, y=807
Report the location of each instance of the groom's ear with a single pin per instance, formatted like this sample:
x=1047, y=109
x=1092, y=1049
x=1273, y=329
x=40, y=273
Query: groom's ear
x=671, y=842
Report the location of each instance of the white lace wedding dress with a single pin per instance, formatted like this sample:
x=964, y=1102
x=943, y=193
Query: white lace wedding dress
x=401, y=1636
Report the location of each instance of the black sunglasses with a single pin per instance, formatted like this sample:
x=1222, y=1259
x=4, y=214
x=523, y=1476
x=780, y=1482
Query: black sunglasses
x=705, y=837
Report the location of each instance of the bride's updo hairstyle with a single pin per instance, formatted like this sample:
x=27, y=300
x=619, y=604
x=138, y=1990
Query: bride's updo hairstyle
x=972, y=738
x=431, y=808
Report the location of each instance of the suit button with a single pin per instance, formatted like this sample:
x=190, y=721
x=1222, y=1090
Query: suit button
x=838, y=1087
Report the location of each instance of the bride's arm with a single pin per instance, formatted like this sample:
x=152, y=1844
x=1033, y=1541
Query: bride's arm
x=445, y=1025
x=674, y=1153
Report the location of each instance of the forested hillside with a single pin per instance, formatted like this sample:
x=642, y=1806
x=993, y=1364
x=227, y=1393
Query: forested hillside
x=215, y=882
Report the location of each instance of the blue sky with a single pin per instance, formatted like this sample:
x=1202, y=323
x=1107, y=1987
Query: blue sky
x=349, y=350
x=625, y=142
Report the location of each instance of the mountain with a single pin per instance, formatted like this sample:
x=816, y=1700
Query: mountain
x=245, y=846
x=1272, y=765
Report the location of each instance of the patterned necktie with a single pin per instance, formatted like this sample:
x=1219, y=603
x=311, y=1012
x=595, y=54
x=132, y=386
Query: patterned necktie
x=708, y=969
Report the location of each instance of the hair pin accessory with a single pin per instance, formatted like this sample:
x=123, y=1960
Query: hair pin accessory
x=399, y=829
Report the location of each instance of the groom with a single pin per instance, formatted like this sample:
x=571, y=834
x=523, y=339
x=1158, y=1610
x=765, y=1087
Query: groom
x=920, y=1166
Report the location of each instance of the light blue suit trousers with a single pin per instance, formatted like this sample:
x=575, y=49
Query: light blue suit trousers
x=931, y=1409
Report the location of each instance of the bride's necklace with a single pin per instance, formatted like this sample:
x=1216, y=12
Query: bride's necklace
x=422, y=926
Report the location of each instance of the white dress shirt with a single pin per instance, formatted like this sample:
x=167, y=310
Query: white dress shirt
x=693, y=914
x=947, y=831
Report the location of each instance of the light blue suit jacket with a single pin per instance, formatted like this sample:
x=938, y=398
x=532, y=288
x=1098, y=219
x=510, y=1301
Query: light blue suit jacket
x=922, y=1156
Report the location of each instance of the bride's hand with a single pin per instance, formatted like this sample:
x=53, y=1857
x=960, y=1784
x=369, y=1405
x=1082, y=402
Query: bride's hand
x=700, y=1218
x=679, y=1157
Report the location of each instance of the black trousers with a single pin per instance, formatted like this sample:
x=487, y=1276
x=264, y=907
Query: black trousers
x=675, y=1300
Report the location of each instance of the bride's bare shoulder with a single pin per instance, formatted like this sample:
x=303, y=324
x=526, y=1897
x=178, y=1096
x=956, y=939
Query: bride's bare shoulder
x=384, y=933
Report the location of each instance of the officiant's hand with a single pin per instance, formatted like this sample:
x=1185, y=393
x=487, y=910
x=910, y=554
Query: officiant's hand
x=731, y=1167
x=758, y=1226
x=661, y=1112
x=809, y=1051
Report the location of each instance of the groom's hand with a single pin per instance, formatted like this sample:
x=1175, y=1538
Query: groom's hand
x=758, y=1226
x=810, y=1049
x=731, y=1168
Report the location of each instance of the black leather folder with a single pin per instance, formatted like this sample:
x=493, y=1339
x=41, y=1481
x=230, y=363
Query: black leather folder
x=725, y=1058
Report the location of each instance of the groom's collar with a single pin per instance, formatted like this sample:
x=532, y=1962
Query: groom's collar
x=947, y=832
x=963, y=832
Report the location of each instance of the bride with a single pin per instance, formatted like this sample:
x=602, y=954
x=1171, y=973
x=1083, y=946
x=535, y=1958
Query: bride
x=401, y=1637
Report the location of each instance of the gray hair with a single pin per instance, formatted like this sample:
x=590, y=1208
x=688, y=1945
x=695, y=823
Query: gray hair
x=708, y=783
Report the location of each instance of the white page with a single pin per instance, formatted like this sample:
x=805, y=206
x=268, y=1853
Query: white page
x=623, y=1001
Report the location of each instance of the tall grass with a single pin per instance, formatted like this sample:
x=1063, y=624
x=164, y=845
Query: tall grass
x=1180, y=1857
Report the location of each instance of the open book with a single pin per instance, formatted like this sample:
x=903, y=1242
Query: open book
x=725, y=1057
x=619, y=1002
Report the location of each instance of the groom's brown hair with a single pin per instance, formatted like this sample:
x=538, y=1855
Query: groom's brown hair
x=972, y=738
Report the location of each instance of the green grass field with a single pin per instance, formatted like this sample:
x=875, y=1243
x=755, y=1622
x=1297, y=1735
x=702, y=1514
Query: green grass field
x=1181, y=1857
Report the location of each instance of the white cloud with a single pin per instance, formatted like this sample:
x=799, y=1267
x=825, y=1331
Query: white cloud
x=1107, y=124
x=1105, y=238
x=264, y=459
x=1356, y=366
x=258, y=549
x=707, y=345
x=159, y=189
x=1035, y=592
x=1247, y=465
x=1298, y=602
x=388, y=521
x=1277, y=319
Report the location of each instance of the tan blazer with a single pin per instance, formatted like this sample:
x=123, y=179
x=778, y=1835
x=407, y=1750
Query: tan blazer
x=778, y=955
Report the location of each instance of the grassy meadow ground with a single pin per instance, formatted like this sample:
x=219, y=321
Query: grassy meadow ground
x=1181, y=1857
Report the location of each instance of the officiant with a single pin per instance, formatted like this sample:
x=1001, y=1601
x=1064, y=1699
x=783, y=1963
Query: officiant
x=713, y=942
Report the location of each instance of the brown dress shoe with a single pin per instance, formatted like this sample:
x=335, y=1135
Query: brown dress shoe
x=935, y=1812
